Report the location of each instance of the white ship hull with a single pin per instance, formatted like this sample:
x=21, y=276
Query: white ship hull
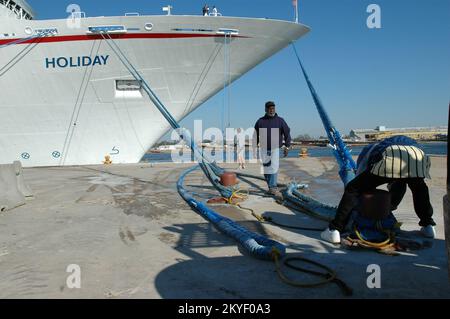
x=58, y=107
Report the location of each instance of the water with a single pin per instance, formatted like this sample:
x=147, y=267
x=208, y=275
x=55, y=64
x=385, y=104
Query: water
x=432, y=148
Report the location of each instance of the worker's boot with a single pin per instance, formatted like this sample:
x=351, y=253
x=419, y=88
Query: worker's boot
x=331, y=236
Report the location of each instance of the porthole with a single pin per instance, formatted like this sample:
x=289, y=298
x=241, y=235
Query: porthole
x=149, y=26
x=29, y=30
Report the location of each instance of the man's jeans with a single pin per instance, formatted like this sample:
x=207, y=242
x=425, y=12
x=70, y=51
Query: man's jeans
x=271, y=164
x=272, y=180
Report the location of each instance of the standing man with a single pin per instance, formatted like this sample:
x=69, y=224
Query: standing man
x=398, y=162
x=272, y=133
x=214, y=11
x=205, y=10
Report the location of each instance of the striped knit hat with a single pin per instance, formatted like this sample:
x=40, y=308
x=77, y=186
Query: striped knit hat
x=403, y=161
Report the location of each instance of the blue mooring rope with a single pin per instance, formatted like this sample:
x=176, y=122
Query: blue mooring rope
x=257, y=245
x=346, y=163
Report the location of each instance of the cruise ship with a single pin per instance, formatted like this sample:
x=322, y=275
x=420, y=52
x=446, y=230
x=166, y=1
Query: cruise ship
x=67, y=99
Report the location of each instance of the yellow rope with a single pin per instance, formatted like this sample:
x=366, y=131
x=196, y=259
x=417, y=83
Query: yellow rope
x=383, y=245
x=234, y=195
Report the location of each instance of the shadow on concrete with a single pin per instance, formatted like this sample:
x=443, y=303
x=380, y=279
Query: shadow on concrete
x=233, y=277
x=418, y=274
x=258, y=189
x=298, y=220
x=205, y=236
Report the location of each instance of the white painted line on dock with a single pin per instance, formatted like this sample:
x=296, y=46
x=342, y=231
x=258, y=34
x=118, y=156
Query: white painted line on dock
x=427, y=266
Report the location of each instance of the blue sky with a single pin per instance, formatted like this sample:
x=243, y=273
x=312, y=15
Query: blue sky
x=396, y=76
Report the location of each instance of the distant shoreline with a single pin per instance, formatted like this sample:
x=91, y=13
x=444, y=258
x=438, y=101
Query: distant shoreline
x=436, y=149
x=297, y=146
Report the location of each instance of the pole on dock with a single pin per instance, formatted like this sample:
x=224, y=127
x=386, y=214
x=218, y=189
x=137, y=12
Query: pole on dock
x=447, y=204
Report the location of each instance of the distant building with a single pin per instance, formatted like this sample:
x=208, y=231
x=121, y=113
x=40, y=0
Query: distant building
x=419, y=133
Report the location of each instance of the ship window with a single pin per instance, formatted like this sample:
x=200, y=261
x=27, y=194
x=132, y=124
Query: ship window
x=47, y=31
x=128, y=85
x=228, y=31
x=107, y=29
x=128, y=89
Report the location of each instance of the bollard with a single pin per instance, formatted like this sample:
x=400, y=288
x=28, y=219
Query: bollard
x=375, y=205
x=228, y=179
x=303, y=152
x=107, y=160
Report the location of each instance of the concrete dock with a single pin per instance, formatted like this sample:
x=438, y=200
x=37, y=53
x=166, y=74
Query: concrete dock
x=132, y=236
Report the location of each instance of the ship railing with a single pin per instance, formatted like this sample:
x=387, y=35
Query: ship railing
x=21, y=13
x=78, y=15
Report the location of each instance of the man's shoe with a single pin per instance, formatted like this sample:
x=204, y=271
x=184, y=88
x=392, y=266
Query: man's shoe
x=428, y=231
x=331, y=236
x=275, y=193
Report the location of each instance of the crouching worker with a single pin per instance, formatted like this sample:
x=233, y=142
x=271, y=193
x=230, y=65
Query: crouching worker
x=397, y=161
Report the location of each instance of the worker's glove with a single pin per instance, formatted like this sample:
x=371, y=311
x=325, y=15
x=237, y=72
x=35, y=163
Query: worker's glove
x=286, y=151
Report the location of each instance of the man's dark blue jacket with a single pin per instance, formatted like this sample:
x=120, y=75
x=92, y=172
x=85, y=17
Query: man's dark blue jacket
x=276, y=122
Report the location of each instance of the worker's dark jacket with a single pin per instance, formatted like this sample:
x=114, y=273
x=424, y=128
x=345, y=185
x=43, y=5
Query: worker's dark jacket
x=269, y=123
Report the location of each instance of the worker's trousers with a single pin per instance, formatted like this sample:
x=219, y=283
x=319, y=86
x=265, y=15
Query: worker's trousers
x=366, y=182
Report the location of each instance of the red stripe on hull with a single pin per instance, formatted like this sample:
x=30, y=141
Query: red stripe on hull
x=69, y=38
